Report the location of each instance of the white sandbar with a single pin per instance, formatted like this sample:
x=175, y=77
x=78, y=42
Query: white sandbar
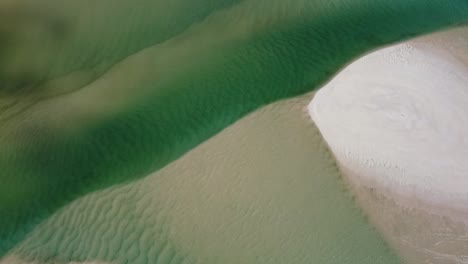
x=397, y=122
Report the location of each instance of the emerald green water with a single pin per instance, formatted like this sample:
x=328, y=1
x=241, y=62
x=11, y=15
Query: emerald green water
x=120, y=89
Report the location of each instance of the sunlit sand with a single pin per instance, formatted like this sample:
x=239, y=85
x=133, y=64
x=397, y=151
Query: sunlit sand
x=397, y=123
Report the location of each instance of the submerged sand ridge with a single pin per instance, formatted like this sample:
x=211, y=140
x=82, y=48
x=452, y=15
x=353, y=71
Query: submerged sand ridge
x=165, y=83
x=266, y=190
x=397, y=123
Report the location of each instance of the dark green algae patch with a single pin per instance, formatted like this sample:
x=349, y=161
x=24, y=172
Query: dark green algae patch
x=142, y=95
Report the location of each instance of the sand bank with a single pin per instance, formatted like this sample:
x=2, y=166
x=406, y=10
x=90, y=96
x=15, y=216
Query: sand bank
x=397, y=122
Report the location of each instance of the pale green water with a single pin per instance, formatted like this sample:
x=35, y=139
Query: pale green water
x=68, y=137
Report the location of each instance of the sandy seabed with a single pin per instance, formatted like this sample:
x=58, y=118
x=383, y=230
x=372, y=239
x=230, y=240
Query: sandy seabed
x=397, y=122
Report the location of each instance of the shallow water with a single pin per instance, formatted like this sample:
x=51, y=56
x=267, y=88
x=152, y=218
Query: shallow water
x=79, y=114
x=265, y=190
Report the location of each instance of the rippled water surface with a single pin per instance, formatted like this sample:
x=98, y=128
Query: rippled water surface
x=99, y=102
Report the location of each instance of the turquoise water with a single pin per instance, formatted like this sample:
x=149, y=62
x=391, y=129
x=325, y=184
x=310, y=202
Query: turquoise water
x=102, y=94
